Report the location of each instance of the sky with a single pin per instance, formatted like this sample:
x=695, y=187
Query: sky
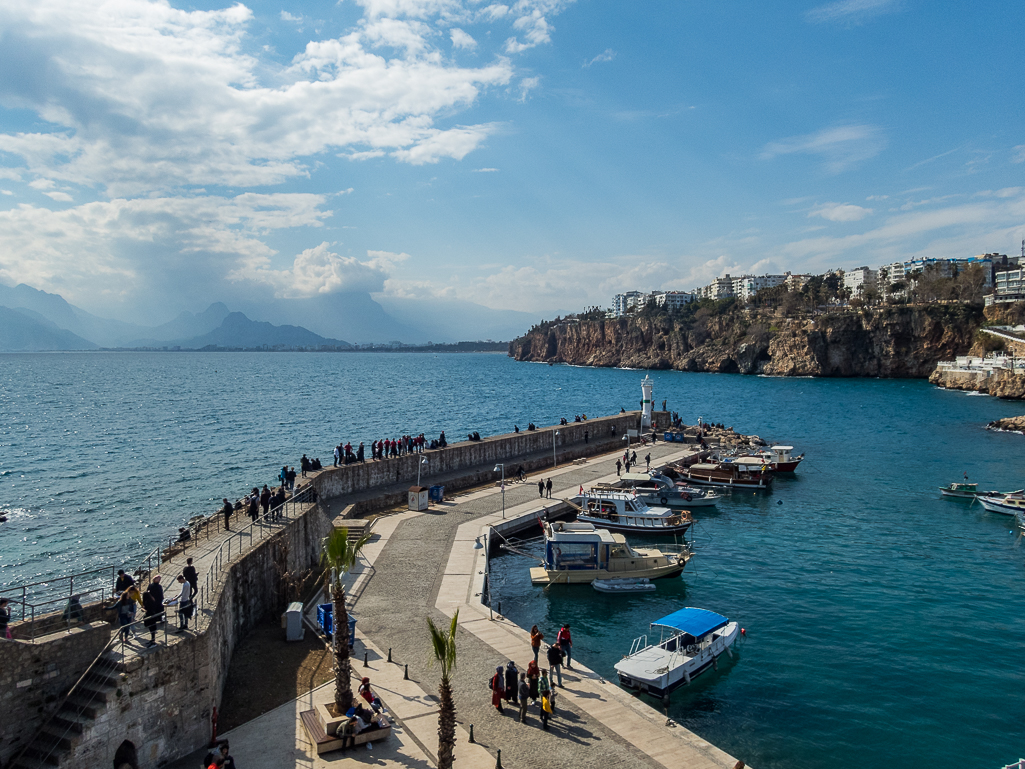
x=538, y=155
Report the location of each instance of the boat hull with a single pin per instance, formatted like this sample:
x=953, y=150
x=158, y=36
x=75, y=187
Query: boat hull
x=729, y=483
x=628, y=529
x=539, y=575
x=996, y=506
x=637, y=678
x=679, y=501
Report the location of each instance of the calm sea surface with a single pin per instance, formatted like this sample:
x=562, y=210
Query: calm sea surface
x=884, y=624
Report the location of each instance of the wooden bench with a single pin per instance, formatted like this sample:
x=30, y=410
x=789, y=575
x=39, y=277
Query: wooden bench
x=325, y=743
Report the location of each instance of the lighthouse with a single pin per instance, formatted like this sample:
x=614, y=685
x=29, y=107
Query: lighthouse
x=646, y=403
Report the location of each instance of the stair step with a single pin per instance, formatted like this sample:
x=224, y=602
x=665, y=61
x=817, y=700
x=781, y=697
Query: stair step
x=46, y=753
x=61, y=735
x=81, y=704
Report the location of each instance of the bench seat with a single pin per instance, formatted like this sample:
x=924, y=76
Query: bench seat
x=325, y=743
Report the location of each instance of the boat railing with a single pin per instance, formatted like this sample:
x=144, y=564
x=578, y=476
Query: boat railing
x=641, y=642
x=677, y=549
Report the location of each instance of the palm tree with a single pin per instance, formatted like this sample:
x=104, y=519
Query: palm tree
x=445, y=652
x=339, y=555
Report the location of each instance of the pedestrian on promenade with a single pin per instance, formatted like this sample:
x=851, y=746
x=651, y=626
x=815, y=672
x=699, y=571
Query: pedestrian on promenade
x=227, y=510
x=524, y=694
x=154, y=608
x=512, y=677
x=228, y=761
x=291, y=478
x=555, y=656
x=304, y=464
x=633, y=457
x=361, y=454
x=254, y=504
x=544, y=690
x=533, y=673
x=541, y=488
x=338, y=454
x=567, y=645
x=647, y=461
x=536, y=637
x=125, y=614
x=619, y=467
x=627, y=465
x=5, y=619
x=283, y=475
x=548, y=488
x=191, y=576
x=497, y=686
x=265, y=499
x=156, y=588
x=123, y=582
x=184, y=603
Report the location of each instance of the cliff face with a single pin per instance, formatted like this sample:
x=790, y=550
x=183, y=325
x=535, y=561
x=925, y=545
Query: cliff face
x=889, y=342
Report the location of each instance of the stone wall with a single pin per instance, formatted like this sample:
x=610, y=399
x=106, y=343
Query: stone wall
x=34, y=677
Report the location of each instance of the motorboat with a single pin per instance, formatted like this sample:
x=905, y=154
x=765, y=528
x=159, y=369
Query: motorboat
x=626, y=585
x=654, y=488
x=1009, y=504
x=971, y=491
x=579, y=553
x=742, y=472
x=619, y=510
x=783, y=461
x=690, y=642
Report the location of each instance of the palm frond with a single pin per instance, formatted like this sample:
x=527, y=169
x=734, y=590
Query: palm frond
x=338, y=553
x=444, y=644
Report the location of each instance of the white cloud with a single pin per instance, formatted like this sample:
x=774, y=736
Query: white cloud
x=42, y=184
x=1018, y=154
x=607, y=55
x=527, y=85
x=461, y=39
x=60, y=197
x=850, y=11
x=841, y=147
x=454, y=143
x=485, y=170
x=11, y=174
x=286, y=16
x=840, y=212
x=534, y=28
x=6, y=192
x=315, y=271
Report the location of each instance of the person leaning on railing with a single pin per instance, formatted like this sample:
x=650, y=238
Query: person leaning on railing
x=5, y=619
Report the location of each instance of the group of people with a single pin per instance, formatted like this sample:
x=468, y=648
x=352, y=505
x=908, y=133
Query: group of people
x=407, y=444
x=153, y=603
x=344, y=455
x=536, y=684
x=629, y=459
x=221, y=759
x=544, y=488
x=359, y=719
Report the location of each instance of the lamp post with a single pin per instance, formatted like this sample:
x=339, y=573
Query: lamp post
x=423, y=461
x=555, y=462
x=502, y=468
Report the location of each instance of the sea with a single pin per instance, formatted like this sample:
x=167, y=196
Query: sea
x=884, y=624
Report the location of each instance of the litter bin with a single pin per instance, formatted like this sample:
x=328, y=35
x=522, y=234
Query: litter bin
x=437, y=494
x=325, y=618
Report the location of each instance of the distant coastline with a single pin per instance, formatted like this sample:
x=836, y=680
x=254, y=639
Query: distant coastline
x=454, y=347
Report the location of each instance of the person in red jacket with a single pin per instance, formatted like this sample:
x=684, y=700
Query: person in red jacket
x=567, y=645
x=498, y=688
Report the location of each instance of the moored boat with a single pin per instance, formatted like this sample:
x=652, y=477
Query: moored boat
x=1009, y=504
x=626, y=585
x=743, y=472
x=579, y=553
x=618, y=510
x=658, y=489
x=971, y=491
x=690, y=641
x=782, y=460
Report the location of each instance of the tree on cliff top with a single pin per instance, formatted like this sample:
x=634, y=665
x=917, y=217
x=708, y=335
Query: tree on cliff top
x=339, y=555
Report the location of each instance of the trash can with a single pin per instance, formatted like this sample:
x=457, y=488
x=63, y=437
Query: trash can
x=325, y=614
x=437, y=494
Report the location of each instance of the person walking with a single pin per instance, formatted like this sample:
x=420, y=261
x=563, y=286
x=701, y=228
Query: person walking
x=536, y=637
x=497, y=686
x=227, y=510
x=566, y=643
x=265, y=499
x=229, y=762
x=153, y=608
x=191, y=576
x=541, y=488
x=544, y=690
x=647, y=461
x=548, y=488
x=125, y=615
x=555, y=656
x=184, y=603
x=619, y=467
x=533, y=673
x=524, y=695
x=254, y=504
x=512, y=677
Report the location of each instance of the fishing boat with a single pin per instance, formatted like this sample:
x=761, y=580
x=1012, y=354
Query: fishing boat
x=742, y=472
x=579, y=553
x=626, y=585
x=618, y=510
x=654, y=488
x=971, y=491
x=782, y=461
x=1009, y=504
x=690, y=642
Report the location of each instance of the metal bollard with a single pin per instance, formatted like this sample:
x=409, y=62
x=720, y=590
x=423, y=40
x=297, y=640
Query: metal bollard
x=498, y=763
x=472, y=741
x=405, y=675
x=365, y=664
x=389, y=654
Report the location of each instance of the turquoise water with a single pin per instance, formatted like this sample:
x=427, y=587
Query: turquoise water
x=884, y=623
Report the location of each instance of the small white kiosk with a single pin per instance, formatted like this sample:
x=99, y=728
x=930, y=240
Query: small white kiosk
x=646, y=385
x=418, y=498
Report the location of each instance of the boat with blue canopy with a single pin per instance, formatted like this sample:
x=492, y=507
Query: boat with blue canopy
x=690, y=641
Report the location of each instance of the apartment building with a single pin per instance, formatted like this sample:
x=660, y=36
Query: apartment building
x=859, y=279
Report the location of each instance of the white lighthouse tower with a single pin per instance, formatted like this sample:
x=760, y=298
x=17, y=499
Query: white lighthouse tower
x=646, y=403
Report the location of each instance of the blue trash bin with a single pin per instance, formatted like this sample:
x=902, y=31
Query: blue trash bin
x=436, y=493
x=325, y=617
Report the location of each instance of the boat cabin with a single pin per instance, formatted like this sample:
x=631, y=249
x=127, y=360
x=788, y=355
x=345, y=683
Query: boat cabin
x=580, y=546
x=781, y=454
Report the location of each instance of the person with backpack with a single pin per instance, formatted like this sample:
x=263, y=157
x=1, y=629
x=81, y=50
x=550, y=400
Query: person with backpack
x=497, y=686
x=555, y=656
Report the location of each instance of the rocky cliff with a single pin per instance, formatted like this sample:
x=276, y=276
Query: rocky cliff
x=886, y=342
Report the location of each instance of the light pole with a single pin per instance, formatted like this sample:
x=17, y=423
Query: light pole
x=502, y=468
x=555, y=462
x=423, y=461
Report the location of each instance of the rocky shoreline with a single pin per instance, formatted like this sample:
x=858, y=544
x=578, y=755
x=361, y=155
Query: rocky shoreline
x=1008, y=425
x=1000, y=384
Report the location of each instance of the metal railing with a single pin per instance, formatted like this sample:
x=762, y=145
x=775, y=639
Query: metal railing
x=54, y=590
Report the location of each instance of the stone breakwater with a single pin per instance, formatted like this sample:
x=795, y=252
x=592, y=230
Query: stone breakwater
x=998, y=382
x=887, y=342
x=1008, y=425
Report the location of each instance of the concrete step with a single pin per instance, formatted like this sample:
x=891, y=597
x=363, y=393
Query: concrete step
x=44, y=752
x=59, y=735
x=75, y=723
x=82, y=704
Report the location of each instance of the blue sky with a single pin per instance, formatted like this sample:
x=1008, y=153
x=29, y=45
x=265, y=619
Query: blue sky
x=538, y=155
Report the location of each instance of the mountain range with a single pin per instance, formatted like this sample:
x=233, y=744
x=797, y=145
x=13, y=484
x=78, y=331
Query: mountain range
x=34, y=320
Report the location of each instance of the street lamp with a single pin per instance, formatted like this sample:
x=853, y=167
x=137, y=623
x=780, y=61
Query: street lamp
x=555, y=462
x=502, y=468
x=423, y=461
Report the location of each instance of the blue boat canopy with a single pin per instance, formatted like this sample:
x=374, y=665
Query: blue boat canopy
x=696, y=622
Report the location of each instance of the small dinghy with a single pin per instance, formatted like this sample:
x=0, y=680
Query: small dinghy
x=640, y=585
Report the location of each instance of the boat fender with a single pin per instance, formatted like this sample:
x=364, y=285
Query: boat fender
x=743, y=631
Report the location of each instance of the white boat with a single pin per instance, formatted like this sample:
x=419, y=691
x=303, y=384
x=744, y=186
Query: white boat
x=690, y=642
x=616, y=509
x=971, y=491
x=629, y=585
x=1006, y=505
x=657, y=489
x=578, y=553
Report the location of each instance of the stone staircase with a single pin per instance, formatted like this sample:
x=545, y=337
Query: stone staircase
x=86, y=701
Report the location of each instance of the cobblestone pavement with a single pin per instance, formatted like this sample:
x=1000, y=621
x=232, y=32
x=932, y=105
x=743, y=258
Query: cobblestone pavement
x=395, y=604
